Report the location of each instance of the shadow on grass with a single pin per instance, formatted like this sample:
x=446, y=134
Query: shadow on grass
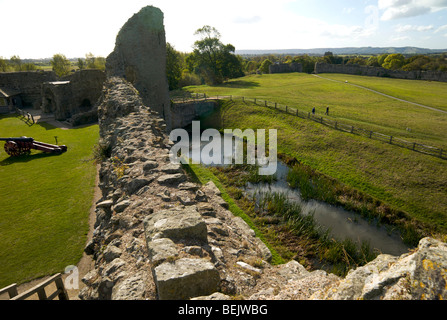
x=240, y=84
x=25, y=158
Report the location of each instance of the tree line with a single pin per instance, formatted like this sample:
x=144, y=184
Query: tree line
x=395, y=61
x=59, y=63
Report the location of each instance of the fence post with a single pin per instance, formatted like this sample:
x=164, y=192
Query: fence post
x=391, y=140
x=370, y=134
x=265, y=103
x=352, y=129
x=297, y=112
x=414, y=146
x=275, y=105
x=243, y=99
x=440, y=153
x=286, y=109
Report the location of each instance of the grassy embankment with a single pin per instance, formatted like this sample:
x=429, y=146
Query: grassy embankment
x=399, y=182
x=45, y=201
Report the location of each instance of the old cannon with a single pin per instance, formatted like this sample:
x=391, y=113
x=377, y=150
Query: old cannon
x=23, y=145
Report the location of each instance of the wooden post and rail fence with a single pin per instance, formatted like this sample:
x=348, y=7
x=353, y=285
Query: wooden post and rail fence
x=414, y=146
x=60, y=292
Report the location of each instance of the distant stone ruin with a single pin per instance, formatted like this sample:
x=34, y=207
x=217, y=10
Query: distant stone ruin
x=65, y=97
x=76, y=94
x=359, y=70
x=140, y=58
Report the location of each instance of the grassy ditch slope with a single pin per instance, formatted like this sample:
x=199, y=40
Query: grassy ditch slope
x=44, y=201
x=402, y=179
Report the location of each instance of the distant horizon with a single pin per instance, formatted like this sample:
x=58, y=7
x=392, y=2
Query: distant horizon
x=285, y=51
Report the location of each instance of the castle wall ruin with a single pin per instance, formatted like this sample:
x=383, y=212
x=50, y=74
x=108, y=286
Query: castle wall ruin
x=140, y=58
x=356, y=69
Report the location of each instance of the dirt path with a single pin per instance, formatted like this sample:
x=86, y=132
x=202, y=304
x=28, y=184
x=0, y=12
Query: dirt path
x=383, y=94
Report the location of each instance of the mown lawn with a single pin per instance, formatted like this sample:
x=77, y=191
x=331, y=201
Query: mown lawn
x=44, y=201
x=403, y=179
x=351, y=105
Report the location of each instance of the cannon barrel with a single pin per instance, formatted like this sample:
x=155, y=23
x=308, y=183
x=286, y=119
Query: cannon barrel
x=21, y=139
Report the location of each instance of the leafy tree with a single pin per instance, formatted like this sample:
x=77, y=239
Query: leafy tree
x=418, y=62
x=174, y=66
x=307, y=62
x=29, y=67
x=264, y=68
x=3, y=65
x=16, y=63
x=373, y=62
x=81, y=64
x=61, y=65
x=211, y=59
x=357, y=60
x=381, y=59
x=92, y=62
x=394, y=61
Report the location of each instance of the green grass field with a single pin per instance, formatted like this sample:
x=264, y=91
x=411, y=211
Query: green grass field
x=351, y=105
x=403, y=179
x=44, y=201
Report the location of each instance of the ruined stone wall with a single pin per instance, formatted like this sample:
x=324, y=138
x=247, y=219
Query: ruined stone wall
x=356, y=69
x=285, y=68
x=28, y=83
x=158, y=235
x=183, y=114
x=74, y=94
x=140, y=57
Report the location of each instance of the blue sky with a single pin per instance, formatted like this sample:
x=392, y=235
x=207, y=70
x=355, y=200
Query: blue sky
x=38, y=29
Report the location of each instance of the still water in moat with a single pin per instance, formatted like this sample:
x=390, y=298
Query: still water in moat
x=341, y=223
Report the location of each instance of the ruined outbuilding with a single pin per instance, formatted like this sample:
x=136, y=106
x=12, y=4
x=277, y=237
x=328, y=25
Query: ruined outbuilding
x=75, y=94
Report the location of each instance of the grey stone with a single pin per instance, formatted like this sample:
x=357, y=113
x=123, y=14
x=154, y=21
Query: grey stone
x=417, y=276
x=171, y=179
x=172, y=168
x=111, y=253
x=121, y=206
x=136, y=184
x=185, y=279
x=175, y=224
x=161, y=249
x=132, y=288
x=149, y=165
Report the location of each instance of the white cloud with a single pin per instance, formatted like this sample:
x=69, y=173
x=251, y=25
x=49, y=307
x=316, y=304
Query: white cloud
x=441, y=28
x=397, y=9
x=410, y=28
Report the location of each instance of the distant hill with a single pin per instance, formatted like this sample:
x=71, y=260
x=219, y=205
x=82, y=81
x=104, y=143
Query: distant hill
x=345, y=51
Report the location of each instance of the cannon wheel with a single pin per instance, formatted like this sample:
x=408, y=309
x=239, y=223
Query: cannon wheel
x=12, y=148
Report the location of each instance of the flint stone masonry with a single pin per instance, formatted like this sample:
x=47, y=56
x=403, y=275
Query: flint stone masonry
x=140, y=57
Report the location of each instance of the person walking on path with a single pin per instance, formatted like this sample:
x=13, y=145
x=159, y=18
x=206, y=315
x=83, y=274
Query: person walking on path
x=327, y=111
x=313, y=110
